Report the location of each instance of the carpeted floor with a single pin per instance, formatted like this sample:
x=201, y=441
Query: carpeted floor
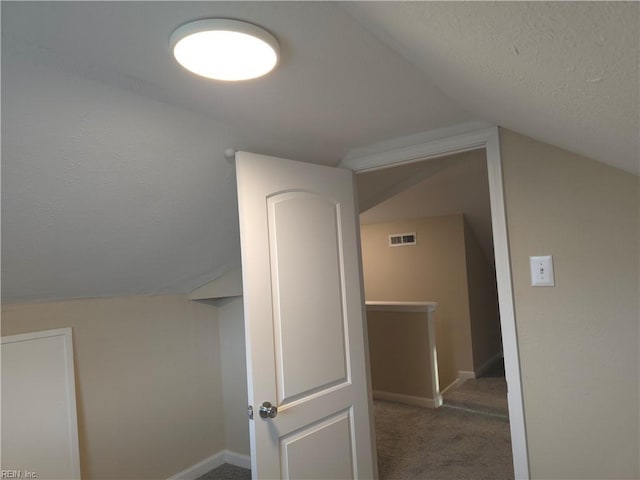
x=441, y=444
x=466, y=439
x=483, y=395
x=227, y=472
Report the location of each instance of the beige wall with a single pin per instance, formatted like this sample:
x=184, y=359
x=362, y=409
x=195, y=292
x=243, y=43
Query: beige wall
x=483, y=303
x=234, y=375
x=431, y=271
x=399, y=342
x=448, y=266
x=147, y=380
x=579, y=340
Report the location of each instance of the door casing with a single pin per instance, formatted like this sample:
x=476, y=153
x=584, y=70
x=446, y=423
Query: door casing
x=445, y=142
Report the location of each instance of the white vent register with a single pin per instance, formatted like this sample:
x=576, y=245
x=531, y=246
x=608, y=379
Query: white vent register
x=402, y=239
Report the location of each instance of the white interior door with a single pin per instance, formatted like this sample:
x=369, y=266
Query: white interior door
x=39, y=422
x=304, y=321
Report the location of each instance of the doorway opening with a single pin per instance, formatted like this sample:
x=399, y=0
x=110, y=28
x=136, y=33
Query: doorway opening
x=445, y=203
x=275, y=175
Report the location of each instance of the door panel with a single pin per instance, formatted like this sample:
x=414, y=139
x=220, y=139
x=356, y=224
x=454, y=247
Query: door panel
x=320, y=448
x=309, y=322
x=304, y=320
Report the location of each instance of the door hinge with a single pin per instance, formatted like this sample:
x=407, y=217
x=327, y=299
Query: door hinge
x=250, y=412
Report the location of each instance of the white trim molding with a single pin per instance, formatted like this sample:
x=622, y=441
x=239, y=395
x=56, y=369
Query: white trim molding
x=418, y=307
x=456, y=382
x=225, y=286
x=214, y=461
x=481, y=370
x=200, y=468
x=408, y=399
x=414, y=148
x=486, y=366
x=466, y=375
x=238, y=459
x=444, y=142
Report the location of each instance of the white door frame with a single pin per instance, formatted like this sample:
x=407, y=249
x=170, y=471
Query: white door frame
x=446, y=142
x=73, y=448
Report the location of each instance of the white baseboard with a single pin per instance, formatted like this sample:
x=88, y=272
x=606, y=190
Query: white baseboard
x=488, y=364
x=453, y=384
x=214, y=461
x=237, y=459
x=408, y=399
x=200, y=468
x=466, y=375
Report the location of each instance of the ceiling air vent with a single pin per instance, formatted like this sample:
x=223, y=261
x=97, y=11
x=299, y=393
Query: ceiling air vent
x=402, y=239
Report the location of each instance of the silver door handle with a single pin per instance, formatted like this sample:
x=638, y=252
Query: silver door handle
x=267, y=410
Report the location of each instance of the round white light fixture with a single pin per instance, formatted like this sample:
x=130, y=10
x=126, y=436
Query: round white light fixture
x=224, y=49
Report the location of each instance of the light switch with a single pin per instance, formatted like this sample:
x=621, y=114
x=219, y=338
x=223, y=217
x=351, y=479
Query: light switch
x=542, y=271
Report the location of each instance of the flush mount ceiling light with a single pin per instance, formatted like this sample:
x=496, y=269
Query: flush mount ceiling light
x=224, y=49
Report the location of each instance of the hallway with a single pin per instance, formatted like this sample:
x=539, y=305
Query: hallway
x=467, y=438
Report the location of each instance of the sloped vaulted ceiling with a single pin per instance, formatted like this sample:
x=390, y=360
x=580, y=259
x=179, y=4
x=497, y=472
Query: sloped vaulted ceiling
x=566, y=73
x=113, y=175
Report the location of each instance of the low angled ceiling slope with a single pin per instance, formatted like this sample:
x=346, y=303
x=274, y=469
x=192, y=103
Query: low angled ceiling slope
x=113, y=175
x=449, y=185
x=336, y=87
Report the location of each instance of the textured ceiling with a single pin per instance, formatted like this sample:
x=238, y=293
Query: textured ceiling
x=566, y=73
x=448, y=185
x=336, y=86
x=113, y=175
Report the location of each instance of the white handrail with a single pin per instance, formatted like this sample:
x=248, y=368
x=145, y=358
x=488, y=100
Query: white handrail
x=384, y=306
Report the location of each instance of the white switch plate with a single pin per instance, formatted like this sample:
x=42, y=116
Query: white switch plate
x=542, y=271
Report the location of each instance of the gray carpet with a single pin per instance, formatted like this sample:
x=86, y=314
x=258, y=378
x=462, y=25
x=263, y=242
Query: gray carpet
x=484, y=395
x=467, y=438
x=441, y=444
x=227, y=472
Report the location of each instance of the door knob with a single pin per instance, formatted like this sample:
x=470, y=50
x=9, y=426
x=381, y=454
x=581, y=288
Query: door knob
x=267, y=410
